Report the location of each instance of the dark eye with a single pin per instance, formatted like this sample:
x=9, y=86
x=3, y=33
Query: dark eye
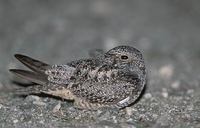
x=124, y=57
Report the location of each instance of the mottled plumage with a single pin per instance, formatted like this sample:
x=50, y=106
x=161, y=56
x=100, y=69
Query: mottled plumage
x=112, y=79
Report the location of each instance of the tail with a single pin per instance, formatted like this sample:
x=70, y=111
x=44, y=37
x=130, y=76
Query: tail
x=37, y=75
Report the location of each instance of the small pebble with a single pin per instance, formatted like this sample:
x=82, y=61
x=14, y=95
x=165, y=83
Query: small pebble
x=164, y=93
x=147, y=95
x=71, y=109
x=190, y=91
x=114, y=119
x=166, y=71
x=57, y=107
x=39, y=103
x=36, y=100
x=175, y=84
x=99, y=112
x=15, y=121
x=155, y=116
x=187, y=116
x=190, y=108
x=129, y=111
x=41, y=121
x=77, y=117
x=32, y=98
x=130, y=120
x=1, y=106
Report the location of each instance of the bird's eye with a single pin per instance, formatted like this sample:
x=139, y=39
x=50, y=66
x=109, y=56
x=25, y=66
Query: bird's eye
x=124, y=57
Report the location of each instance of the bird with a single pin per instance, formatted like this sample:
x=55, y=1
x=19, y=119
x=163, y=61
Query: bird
x=114, y=78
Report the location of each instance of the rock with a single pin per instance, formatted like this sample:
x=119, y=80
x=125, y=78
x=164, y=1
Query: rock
x=190, y=91
x=175, y=84
x=166, y=71
x=147, y=95
x=15, y=121
x=129, y=111
x=1, y=106
x=39, y=103
x=32, y=98
x=35, y=100
x=164, y=93
x=57, y=107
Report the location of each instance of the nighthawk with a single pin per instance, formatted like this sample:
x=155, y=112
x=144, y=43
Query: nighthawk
x=115, y=78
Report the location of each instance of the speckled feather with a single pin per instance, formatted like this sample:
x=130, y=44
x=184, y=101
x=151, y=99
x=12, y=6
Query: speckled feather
x=112, y=79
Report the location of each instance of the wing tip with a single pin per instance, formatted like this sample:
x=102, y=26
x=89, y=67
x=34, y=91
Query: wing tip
x=33, y=64
x=18, y=71
x=13, y=70
x=19, y=56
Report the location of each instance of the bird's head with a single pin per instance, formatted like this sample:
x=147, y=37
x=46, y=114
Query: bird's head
x=125, y=57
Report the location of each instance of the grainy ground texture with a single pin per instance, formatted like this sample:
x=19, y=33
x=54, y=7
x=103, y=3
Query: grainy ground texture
x=166, y=32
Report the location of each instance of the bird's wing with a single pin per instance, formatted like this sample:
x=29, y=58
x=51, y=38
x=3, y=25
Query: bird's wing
x=111, y=92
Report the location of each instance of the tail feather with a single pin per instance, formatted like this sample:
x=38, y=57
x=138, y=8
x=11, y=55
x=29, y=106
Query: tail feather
x=31, y=76
x=33, y=64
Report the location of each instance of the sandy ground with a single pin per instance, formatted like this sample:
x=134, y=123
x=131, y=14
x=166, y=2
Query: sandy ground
x=167, y=33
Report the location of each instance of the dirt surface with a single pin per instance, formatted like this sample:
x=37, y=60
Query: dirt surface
x=166, y=32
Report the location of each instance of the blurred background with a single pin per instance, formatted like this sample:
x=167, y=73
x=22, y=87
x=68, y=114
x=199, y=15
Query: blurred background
x=166, y=32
